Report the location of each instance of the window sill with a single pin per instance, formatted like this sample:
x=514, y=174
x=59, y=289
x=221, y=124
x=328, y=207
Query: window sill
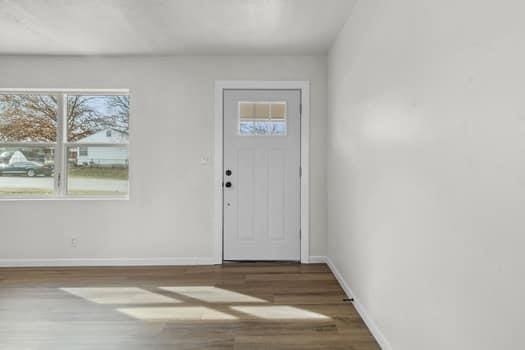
x=64, y=198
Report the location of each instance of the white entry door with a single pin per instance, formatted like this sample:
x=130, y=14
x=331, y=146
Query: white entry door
x=261, y=175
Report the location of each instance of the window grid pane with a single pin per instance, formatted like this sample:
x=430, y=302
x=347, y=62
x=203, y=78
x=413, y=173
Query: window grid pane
x=97, y=119
x=26, y=170
x=28, y=118
x=262, y=111
x=246, y=110
x=97, y=170
x=262, y=118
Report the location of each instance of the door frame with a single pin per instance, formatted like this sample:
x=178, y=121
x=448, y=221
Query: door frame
x=304, y=88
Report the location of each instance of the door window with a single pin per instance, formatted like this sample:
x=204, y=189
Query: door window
x=262, y=118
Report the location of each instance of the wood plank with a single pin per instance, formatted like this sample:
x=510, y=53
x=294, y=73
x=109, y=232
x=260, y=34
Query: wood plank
x=233, y=306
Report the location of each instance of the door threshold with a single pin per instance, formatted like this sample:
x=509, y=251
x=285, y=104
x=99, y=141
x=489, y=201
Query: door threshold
x=291, y=262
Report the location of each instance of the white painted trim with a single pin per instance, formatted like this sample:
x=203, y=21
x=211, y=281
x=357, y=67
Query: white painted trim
x=304, y=87
x=262, y=84
x=218, y=168
x=107, y=262
x=370, y=323
x=317, y=259
x=28, y=198
x=305, y=176
x=94, y=92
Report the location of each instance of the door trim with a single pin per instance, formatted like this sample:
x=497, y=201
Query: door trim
x=304, y=88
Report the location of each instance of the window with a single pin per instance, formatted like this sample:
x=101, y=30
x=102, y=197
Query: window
x=262, y=118
x=64, y=144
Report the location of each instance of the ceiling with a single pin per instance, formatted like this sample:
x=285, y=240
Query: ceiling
x=182, y=27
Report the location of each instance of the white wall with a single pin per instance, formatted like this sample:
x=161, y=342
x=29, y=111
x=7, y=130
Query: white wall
x=170, y=214
x=426, y=179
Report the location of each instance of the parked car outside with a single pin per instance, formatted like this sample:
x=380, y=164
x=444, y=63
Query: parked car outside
x=26, y=168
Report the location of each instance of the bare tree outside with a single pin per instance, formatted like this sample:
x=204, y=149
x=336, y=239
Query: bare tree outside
x=120, y=105
x=33, y=118
x=28, y=118
x=88, y=115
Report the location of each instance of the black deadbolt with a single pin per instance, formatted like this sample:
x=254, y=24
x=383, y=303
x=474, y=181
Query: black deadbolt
x=228, y=184
x=228, y=172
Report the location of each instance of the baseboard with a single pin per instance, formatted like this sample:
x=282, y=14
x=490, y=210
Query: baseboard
x=71, y=262
x=317, y=260
x=372, y=326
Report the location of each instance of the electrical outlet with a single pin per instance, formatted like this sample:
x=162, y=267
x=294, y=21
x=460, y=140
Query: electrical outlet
x=74, y=242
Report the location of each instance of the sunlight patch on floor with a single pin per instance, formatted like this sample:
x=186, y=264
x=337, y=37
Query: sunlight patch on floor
x=119, y=295
x=279, y=312
x=213, y=294
x=183, y=313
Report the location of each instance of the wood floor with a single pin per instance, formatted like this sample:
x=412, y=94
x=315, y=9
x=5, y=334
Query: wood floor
x=234, y=306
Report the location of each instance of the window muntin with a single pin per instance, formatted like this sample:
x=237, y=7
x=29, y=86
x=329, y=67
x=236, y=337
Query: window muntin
x=262, y=118
x=69, y=163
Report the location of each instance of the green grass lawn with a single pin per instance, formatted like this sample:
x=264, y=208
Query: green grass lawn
x=95, y=193
x=39, y=191
x=24, y=191
x=101, y=173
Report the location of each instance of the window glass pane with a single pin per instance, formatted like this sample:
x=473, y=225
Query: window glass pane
x=98, y=119
x=262, y=128
x=278, y=110
x=97, y=170
x=246, y=110
x=26, y=170
x=262, y=111
x=28, y=118
x=269, y=119
x=278, y=128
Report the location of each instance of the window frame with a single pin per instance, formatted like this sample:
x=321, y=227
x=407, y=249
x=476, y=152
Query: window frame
x=61, y=145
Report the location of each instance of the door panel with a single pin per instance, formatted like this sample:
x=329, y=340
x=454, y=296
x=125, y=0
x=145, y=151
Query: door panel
x=277, y=196
x=244, y=193
x=262, y=192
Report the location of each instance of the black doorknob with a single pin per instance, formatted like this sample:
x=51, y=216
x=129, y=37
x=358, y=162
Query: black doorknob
x=228, y=172
x=228, y=184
